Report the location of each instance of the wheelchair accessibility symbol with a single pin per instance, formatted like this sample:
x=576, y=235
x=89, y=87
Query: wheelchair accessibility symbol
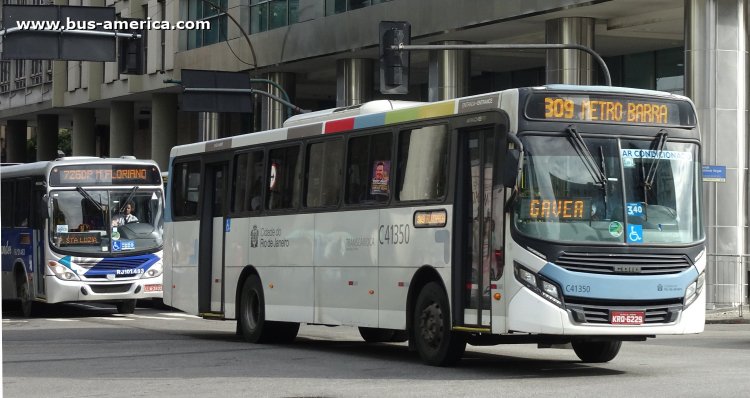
x=635, y=233
x=116, y=246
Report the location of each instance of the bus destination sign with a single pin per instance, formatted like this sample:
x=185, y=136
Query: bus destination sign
x=609, y=109
x=104, y=175
x=80, y=239
x=570, y=209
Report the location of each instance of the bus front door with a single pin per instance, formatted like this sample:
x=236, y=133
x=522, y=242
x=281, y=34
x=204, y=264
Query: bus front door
x=473, y=223
x=211, y=246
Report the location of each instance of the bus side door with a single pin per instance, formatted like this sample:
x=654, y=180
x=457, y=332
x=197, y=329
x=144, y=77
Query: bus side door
x=211, y=241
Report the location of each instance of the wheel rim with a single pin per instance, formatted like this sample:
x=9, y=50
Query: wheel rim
x=431, y=325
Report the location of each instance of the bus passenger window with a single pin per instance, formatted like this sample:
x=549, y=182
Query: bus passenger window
x=368, y=169
x=185, y=188
x=247, y=182
x=324, y=164
x=283, y=182
x=422, y=163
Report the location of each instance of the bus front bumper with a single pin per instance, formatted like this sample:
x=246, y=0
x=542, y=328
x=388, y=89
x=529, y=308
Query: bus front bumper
x=59, y=291
x=530, y=313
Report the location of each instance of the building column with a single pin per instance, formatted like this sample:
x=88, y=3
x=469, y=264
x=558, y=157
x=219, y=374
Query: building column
x=353, y=81
x=570, y=66
x=448, y=73
x=273, y=113
x=15, y=141
x=83, y=139
x=208, y=125
x=716, y=80
x=121, y=126
x=47, y=128
x=163, y=127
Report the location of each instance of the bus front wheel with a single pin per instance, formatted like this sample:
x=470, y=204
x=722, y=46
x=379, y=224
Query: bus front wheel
x=22, y=291
x=596, y=351
x=436, y=343
x=126, y=307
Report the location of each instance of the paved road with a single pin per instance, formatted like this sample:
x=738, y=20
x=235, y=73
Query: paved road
x=88, y=351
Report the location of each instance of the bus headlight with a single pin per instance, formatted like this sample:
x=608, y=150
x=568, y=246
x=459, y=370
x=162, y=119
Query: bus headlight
x=694, y=289
x=156, y=270
x=538, y=284
x=62, y=272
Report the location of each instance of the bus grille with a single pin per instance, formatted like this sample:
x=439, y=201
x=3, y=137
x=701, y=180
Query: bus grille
x=112, y=288
x=120, y=267
x=624, y=263
x=597, y=314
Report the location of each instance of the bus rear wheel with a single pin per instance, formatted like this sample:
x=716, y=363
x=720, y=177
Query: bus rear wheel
x=126, y=307
x=596, y=351
x=252, y=317
x=436, y=343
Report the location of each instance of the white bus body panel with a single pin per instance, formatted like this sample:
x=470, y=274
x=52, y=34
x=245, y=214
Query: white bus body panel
x=185, y=266
x=346, y=273
x=281, y=249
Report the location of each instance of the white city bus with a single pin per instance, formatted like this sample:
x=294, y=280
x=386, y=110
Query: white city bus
x=66, y=238
x=547, y=215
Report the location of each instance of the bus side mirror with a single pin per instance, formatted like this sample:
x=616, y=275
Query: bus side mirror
x=44, y=208
x=511, y=167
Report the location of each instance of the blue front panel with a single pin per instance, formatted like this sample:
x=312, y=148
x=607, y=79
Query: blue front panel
x=105, y=268
x=620, y=287
x=17, y=244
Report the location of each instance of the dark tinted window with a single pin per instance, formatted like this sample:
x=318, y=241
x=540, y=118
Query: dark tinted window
x=368, y=169
x=6, y=203
x=185, y=183
x=283, y=178
x=324, y=173
x=248, y=182
x=22, y=207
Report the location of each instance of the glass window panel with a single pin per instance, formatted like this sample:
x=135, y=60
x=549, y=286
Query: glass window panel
x=259, y=18
x=638, y=70
x=355, y=4
x=278, y=14
x=324, y=165
x=422, y=170
x=368, y=169
x=283, y=178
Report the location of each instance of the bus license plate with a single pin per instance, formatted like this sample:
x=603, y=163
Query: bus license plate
x=152, y=288
x=626, y=317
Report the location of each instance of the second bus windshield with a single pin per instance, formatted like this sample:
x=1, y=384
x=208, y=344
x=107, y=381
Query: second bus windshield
x=609, y=190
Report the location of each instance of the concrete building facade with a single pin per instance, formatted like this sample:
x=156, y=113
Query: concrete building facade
x=324, y=53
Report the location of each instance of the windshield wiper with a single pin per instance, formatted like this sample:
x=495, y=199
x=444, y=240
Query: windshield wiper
x=128, y=199
x=648, y=178
x=583, y=152
x=89, y=198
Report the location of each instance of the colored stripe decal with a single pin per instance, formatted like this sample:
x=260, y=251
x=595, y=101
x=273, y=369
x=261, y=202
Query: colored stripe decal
x=427, y=111
x=336, y=126
x=365, y=121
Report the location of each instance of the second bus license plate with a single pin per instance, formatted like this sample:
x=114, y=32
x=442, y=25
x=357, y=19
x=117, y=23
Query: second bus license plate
x=152, y=288
x=626, y=317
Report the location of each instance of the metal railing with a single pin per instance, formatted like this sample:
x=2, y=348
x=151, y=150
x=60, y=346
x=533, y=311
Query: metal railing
x=727, y=281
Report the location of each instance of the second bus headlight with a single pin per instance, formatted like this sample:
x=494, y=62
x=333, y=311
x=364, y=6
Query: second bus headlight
x=538, y=284
x=156, y=270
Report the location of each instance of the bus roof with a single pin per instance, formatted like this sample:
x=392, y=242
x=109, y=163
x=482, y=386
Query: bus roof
x=385, y=112
x=43, y=168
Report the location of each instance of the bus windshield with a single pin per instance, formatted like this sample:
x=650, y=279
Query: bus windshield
x=107, y=221
x=598, y=190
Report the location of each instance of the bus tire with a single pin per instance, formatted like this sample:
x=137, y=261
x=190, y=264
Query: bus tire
x=126, y=307
x=596, y=351
x=436, y=343
x=252, y=316
x=375, y=335
x=24, y=295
